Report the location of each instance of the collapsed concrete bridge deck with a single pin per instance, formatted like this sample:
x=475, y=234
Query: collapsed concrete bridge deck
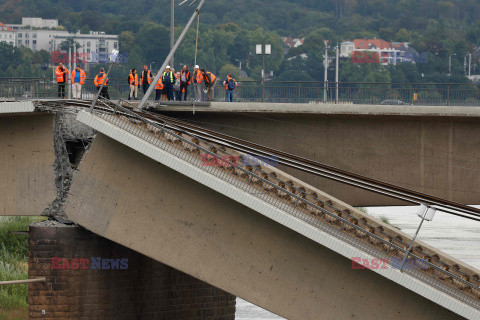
x=197, y=221
x=144, y=191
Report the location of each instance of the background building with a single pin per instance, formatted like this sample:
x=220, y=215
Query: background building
x=43, y=34
x=389, y=52
x=7, y=34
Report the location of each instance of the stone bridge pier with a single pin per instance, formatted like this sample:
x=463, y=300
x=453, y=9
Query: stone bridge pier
x=90, y=277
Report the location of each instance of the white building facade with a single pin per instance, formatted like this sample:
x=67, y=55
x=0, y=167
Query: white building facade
x=41, y=34
x=93, y=47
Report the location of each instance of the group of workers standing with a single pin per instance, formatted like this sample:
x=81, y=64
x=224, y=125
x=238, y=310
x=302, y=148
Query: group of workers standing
x=78, y=78
x=171, y=86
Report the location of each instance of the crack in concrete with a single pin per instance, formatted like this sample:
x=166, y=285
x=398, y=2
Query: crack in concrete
x=66, y=129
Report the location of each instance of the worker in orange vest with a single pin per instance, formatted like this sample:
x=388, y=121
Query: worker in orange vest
x=61, y=73
x=133, y=82
x=210, y=81
x=230, y=84
x=159, y=89
x=100, y=79
x=146, y=79
x=197, y=79
x=78, y=80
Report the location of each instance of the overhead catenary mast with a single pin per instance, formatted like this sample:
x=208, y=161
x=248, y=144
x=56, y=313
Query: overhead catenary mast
x=172, y=52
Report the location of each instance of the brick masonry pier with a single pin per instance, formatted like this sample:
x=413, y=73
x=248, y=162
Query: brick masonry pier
x=90, y=277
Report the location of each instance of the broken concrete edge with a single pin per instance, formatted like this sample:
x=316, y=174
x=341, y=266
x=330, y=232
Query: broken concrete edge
x=271, y=212
x=332, y=109
x=65, y=128
x=16, y=107
x=52, y=223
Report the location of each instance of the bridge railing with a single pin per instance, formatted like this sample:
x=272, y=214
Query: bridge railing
x=298, y=202
x=276, y=91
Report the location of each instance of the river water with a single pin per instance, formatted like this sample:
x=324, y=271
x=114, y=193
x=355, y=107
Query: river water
x=455, y=236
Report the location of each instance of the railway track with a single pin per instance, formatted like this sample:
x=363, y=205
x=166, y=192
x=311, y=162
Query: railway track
x=289, y=160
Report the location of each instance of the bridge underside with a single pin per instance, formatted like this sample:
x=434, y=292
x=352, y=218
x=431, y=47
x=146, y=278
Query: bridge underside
x=27, y=160
x=135, y=201
x=427, y=153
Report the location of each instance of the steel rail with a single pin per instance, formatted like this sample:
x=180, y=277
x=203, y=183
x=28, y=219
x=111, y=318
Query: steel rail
x=324, y=170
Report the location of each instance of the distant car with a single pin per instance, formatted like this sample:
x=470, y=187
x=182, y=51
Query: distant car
x=394, y=103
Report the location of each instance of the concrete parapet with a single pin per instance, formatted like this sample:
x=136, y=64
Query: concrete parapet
x=17, y=107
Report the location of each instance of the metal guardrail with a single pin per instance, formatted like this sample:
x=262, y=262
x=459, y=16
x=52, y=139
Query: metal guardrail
x=274, y=91
x=297, y=202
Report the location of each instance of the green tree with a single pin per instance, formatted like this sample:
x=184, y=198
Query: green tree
x=229, y=69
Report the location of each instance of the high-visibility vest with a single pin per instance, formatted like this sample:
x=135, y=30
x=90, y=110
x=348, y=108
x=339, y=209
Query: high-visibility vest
x=187, y=76
x=172, y=76
x=59, y=74
x=198, y=76
x=133, y=79
x=100, y=78
x=83, y=76
x=226, y=83
x=149, y=77
x=159, y=85
x=211, y=79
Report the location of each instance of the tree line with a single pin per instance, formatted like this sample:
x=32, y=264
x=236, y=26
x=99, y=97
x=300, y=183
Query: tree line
x=229, y=31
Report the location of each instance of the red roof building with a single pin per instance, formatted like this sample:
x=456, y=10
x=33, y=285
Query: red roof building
x=372, y=44
x=4, y=28
x=7, y=34
x=293, y=42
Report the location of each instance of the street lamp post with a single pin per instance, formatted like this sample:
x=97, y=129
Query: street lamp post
x=263, y=50
x=325, y=77
x=450, y=64
x=426, y=213
x=469, y=64
x=336, y=73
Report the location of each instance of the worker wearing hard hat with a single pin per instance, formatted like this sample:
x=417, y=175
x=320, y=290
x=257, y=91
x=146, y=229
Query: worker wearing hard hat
x=197, y=79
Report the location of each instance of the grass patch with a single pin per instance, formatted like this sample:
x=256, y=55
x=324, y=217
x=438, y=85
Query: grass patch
x=384, y=219
x=362, y=209
x=21, y=314
x=13, y=262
